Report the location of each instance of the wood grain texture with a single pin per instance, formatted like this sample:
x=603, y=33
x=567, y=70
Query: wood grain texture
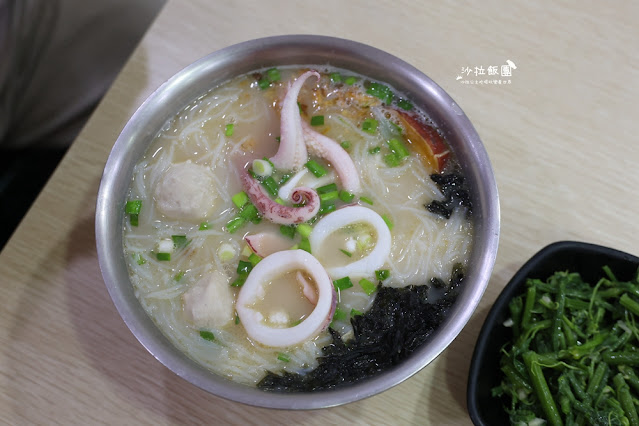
x=561, y=138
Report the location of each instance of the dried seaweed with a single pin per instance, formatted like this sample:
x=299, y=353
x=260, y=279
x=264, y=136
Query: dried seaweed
x=397, y=324
x=455, y=193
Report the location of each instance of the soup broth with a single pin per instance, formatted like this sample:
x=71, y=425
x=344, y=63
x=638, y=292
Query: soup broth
x=185, y=244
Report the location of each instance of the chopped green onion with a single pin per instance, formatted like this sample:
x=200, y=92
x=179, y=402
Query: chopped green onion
x=350, y=80
x=234, y=224
x=404, y=104
x=326, y=207
x=380, y=91
x=179, y=276
x=374, y=150
x=244, y=267
x=392, y=160
x=336, y=77
x=133, y=207
x=163, y=256
x=366, y=200
x=343, y=283
x=226, y=252
x=240, y=199
x=317, y=120
x=262, y=168
x=250, y=213
x=204, y=226
x=288, y=230
x=315, y=168
x=180, y=241
x=278, y=200
x=278, y=138
x=355, y=312
x=228, y=130
x=305, y=245
x=398, y=148
x=239, y=281
x=389, y=222
x=382, y=274
x=237, y=319
x=346, y=196
x=347, y=253
x=264, y=83
x=139, y=259
x=345, y=144
x=327, y=188
x=329, y=196
x=270, y=185
x=273, y=75
x=304, y=230
x=283, y=357
x=207, y=335
x=368, y=286
x=369, y=125
x=134, y=219
x=254, y=259
x=339, y=315
x=285, y=178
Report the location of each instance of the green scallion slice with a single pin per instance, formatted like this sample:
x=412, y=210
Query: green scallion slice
x=244, y=267
x=179, y=276
x=346, y=144
x=273, y=75
x=204, y=226
x=343, y=283
x=264, y=83
x=382, y=274
x=249, y=212
x=270, y=185
x=237, y=319
x=346, y=196
x=134, y=219
x=392, y=160
x=350, y=80
x=139, y=259
x=239, y=281
x=370, y=125
x=317, y=120
x=207, y=335
x=368, y=286
x=165, y=257
x=326, y=207
x=305, y=245
x=254, y=259
x=389, y=222
x=133, y=207
x=327, y=188
x=304, y=230
x=283, y=357
x=339, y=315
x=228, y=130
x=180, y=241
x=380, y=91
x=366, y=200
x=404, y=104
x=288, y=231
x=347, y=253
x=336, y=77
x=328, y=196
x=398, y=148
x=355, y=312
x=314, y=167
x=234, y=224
x=240, y=199
x=374, y=150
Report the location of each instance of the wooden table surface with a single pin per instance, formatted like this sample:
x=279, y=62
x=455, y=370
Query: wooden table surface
x=562, y=138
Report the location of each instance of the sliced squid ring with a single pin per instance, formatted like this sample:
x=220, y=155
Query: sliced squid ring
x=347, y=216
x=254, y=289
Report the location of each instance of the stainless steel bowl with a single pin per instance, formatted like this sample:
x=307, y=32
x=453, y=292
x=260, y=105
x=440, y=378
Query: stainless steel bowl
x=224, y=64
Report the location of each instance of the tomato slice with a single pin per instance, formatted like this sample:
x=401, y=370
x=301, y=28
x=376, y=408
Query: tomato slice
x=425, y=141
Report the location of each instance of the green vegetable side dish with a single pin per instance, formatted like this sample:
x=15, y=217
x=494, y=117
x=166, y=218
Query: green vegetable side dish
x=574, y=355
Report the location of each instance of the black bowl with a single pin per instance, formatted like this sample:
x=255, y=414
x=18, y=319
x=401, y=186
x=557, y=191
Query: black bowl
x=587, y=259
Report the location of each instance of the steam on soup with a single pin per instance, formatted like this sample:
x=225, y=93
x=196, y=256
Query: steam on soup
x=284, y=213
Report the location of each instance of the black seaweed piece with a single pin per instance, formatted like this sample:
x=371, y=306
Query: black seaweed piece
x=455, y=191
x=398, y=323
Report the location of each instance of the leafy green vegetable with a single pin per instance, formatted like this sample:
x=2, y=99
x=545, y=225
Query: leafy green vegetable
x=574, y=352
